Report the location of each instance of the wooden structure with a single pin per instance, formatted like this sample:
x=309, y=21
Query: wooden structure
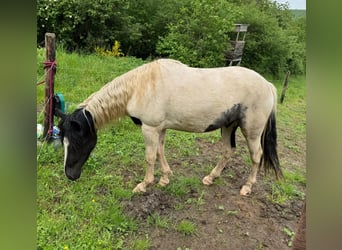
x=50, y=70
x=235, y=55
x=285, y=86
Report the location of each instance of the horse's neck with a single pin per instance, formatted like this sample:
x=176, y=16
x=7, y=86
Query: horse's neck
x=110, y=102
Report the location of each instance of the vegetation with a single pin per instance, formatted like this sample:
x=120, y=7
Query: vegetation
x=299, y=13
x=88, y=213
x=186, y=227
x=198, y=37
x=195, y=32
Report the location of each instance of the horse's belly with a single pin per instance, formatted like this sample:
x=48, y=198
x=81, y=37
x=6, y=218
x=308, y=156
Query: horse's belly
x=191, y=120
x=186, y=126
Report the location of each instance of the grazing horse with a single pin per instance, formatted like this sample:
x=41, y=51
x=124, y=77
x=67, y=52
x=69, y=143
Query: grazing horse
x=166, y=94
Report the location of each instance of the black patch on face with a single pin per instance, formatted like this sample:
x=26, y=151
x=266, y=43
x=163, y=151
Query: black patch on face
x=234, y=115
x=79, y=128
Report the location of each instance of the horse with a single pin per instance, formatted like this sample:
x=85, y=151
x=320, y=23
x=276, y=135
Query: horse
x=167, y=94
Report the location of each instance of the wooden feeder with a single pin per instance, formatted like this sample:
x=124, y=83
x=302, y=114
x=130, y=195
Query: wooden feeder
x=235, y=55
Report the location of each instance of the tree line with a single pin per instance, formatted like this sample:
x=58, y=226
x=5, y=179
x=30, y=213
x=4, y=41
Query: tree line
x=196, y=32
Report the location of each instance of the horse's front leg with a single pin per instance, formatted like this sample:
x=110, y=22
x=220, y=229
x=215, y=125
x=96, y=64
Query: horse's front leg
x=151, y=137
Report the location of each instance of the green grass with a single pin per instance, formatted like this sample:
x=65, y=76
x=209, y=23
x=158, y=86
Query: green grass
x=88, y=213
x=141, y=244
x=183, y=185
x=287, y=189
x=156, y=220
x=186, y=227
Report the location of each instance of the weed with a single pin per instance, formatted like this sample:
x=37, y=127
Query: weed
x=115, y=51
x=183, y=185
x=186, y=227
x=219, y=207
x=290, y=234
x=282, y=191
x=178, y=206
x=295, y=177
x=260, y=245
x=141, y=244
x=157, y=221
x=197, y=201
x=232, y=212
x=287, y=189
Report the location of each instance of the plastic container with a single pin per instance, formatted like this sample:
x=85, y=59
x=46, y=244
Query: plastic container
x=40, y=130
x=55, y=132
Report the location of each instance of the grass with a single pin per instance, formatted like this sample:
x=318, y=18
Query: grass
x=183, y=186
x=156, y=220
x=186, y=227
x=290, y=234
x=88, y=213
x=288, y=189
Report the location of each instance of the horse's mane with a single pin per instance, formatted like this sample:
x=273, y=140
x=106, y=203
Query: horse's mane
x=109, y=103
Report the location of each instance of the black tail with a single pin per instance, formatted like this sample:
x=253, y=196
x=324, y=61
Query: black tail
x=269, y=158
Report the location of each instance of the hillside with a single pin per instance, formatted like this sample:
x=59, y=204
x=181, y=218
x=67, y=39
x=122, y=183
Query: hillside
x=299, y=13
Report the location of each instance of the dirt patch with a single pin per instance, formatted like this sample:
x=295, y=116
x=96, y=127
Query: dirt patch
x=153, y=201
x=223, y=218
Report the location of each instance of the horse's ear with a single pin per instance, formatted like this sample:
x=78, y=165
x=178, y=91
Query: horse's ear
x=59, y=113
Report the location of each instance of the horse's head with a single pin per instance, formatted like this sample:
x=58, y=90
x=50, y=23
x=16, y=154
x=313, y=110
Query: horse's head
x=78, y=135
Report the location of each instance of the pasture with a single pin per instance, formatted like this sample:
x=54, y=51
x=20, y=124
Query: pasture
x=99, y=211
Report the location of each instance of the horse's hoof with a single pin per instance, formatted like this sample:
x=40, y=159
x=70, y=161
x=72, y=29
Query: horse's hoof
x=163, y=181
x=207, y=180
x=245, y=190
x=140, y=188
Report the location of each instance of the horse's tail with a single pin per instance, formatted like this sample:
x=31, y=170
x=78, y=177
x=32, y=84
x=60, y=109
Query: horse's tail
x=269, y=157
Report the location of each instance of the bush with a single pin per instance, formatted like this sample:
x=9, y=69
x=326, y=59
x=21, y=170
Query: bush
x=115, y=51
x=83, y=24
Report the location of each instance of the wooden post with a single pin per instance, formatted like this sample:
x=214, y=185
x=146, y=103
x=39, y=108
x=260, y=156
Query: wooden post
x=50, y=70
x=286, y=83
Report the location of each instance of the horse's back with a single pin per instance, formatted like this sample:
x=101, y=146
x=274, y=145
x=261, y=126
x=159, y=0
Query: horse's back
x=211, y=85
x=190, y=99
x=176, y=74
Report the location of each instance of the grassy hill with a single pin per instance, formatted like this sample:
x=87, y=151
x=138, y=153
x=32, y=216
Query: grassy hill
x=299, y=13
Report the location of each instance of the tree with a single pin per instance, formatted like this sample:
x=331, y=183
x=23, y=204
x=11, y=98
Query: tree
x=199, y=37
x=152, y=16
x=275, y=41
x=195, y=32
x=83, y=24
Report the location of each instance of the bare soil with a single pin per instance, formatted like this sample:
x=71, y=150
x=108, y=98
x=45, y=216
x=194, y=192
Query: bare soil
x=225, y=220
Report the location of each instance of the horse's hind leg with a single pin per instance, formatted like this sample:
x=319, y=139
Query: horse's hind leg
x=228, y=135
x=151, y=137
x=165, y=168
x=254, y=145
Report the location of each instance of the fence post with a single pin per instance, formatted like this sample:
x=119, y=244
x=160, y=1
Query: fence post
x=50, y=70
x=285, y=86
